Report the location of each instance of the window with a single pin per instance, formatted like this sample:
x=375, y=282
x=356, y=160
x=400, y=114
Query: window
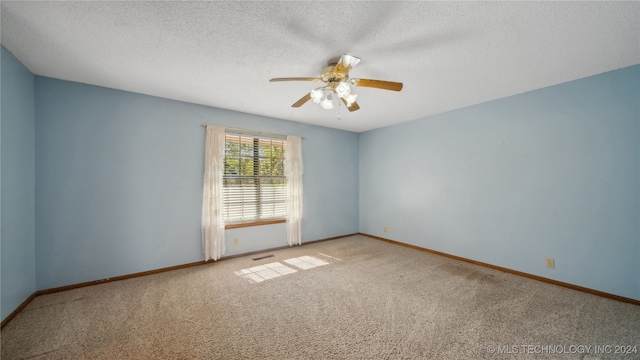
x=254, y=181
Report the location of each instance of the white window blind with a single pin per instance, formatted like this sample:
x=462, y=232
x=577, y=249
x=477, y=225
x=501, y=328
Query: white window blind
x=254, y=181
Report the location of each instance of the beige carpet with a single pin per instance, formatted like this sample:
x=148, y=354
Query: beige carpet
x=350, y=298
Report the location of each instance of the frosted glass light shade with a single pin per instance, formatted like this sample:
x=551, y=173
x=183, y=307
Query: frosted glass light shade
x=316, y=95
x=343, y=89
x=327, y=104
x=349, y=60
x=351, y=99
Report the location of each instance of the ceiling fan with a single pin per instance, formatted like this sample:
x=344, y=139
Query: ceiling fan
x=338, y=84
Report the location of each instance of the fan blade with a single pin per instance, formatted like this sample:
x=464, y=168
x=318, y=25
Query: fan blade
x=296, y=79
x=378, y=84
x=346, y=63
x=302, y=100
x=354, y=105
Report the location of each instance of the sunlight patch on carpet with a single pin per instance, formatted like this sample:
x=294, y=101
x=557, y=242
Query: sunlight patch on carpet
x=265, y=272
x=276, y=269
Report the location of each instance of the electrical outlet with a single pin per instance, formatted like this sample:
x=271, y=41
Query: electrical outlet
x=551, y=263
x=387, y=229
x=235, y=242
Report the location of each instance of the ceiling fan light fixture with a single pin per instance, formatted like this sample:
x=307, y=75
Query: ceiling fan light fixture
x=327, y=104
x=317, y=95
x=343, y=89
x=349, y=60
x=350, y=99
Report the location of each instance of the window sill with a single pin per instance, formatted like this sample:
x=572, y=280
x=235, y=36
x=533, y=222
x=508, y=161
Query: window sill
x=254, y=223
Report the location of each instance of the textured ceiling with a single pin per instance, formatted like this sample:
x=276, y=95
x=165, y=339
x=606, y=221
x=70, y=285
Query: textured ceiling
x=448, y=54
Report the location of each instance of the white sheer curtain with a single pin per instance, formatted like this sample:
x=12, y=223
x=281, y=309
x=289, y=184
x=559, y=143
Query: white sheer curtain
x=212, y=210
x=293, y=171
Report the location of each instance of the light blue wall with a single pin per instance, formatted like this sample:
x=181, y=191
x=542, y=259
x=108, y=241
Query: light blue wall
x=548, y=173
x=119, y=182
x=17, y=149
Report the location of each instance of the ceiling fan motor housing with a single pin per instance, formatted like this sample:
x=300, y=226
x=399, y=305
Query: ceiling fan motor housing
x=333, y=77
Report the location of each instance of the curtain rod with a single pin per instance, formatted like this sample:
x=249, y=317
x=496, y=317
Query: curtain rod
x=250, y=131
